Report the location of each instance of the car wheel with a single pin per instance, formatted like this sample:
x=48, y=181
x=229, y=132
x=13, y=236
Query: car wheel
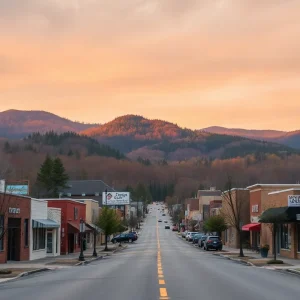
x=113, y=241
x=130, y=240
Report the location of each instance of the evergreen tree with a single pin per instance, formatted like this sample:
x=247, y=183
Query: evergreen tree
x=44, y=176
x=59, y=176
x=52, y=177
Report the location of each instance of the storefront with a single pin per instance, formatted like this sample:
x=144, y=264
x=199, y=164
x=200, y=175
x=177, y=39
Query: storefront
x=14, y=227
x=285, y=212
x=44, y=229
x=72, y=212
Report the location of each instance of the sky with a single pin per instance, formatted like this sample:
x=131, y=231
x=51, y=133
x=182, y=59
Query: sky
x=197, y=63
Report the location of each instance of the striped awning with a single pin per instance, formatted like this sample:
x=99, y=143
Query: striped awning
x=44, y=223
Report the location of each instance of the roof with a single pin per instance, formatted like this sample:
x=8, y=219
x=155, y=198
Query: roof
x=64, y=199
x=236, y=189
x=283, y=191
x=272, y=185
x=87, y=187
x=209, y=193
x=84, y=200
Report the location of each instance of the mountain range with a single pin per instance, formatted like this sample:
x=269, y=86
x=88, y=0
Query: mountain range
x=288, y=138
x=138, y=137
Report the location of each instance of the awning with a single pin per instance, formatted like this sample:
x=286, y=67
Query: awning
x=283, y=214
x=93, y=227
x=44, y=223
x=76, y=227
x=252, y=227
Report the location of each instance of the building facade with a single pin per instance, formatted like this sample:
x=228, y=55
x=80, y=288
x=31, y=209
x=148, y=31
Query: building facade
x=72, y=212
x=261, y=199
x=14, y=227
x=44, y=231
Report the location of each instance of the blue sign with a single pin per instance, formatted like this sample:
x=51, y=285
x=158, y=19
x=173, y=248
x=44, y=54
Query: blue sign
x=17, y=189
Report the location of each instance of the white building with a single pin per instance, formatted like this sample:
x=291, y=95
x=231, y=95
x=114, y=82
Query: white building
x=45, y=224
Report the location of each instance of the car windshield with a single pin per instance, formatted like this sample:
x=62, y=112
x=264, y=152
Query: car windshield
x=214, y=238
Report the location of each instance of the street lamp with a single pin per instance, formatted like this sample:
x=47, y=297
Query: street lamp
x=82, y=229
x=95, y=235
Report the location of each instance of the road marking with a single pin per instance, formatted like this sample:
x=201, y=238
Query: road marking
x=163, y=292
x=161, y=281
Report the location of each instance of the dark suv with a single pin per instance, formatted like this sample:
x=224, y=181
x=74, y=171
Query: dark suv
x=124, y=237
x=212, y=242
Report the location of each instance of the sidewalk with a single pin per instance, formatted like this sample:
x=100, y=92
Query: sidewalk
x=23, y=268
x=253, y=258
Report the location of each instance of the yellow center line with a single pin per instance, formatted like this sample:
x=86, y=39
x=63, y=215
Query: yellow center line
x=162, y=291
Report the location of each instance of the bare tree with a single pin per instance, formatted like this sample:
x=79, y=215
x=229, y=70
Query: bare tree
x=232, y=210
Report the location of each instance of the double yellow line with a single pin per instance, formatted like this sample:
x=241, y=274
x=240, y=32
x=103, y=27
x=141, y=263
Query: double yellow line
x=161, y=281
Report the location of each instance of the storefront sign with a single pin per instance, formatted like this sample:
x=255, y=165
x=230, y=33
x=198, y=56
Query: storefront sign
x=17, y=189
x=294, y=200
x=255, y=208
x=115, y=198
x=13, y=210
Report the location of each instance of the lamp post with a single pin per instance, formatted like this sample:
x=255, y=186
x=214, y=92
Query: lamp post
x=95, y=235
x=82, y=229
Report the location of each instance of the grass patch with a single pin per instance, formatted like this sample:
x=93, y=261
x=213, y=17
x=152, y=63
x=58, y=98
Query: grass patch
x=275, y=262
x=11, y=273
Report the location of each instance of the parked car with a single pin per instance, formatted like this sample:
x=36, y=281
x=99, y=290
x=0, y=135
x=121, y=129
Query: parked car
x=190, y=236
x=201, y=241
x=136, y=233
x=175, y=228
x=167, y=227
x=159, y=220
x=196, y=237
x=166, y=221
x=163, y=215
x=212, y=242
x=124, y=237
x=184, y=233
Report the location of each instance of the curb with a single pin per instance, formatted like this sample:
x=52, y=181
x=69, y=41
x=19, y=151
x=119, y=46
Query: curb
x=293, y=271
x=247, y=263
x=32, y=272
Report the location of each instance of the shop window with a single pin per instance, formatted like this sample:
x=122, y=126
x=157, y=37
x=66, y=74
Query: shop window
x=39, y=237
x=26, y=232
x=285, y=236
x=298, y=236
x=1, y=232
x=76, y=238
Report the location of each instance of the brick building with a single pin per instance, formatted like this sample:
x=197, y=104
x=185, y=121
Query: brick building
x=14, y=227
x=261, y=199
x=71, y=213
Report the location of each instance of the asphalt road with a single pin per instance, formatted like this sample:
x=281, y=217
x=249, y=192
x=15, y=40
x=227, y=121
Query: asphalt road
x=158, y=266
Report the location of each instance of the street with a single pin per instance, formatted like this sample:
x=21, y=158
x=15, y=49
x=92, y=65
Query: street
x=160, y=265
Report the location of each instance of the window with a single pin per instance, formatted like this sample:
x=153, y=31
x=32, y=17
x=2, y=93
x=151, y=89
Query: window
x=285, y=236
x=26, y=232
x=298, y=236
x=75, y=213
x=39, y=236
x=1, y=232
x=76, y=238
x=88, y=237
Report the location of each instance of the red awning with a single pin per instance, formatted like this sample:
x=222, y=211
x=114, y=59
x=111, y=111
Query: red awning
x=252, y=227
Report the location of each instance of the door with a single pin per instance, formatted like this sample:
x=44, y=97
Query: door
x=14, y=239
x=49, y=242
x=70, y=243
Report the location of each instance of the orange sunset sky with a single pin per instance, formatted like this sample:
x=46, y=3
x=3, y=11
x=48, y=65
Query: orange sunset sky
x=198, y=63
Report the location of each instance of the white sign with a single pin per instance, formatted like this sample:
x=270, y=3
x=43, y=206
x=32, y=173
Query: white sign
x=298, y=217
x=254, y=220
x=2, y=186
x=115, y=198
x=294, y=200
x=255, y=208
x=13, y=210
